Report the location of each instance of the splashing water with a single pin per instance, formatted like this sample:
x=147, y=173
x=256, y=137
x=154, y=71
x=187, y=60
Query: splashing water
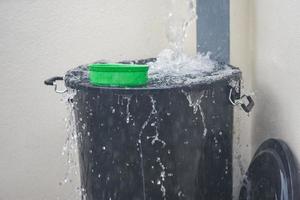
x=152, y=116
x=174, y=69
x=173, y=60
x=128, y=115
x=162, y=177
x=140, y=145
x=195, y=100
x=173, y=66
x=155, y=138
x=180, y=17
x=70, y=148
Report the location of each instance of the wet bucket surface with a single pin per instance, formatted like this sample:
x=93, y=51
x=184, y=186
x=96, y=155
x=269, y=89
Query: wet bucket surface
x=155, y=143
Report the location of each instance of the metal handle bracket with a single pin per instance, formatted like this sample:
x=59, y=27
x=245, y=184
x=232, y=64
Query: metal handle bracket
x=52, y=82
x=246, y=106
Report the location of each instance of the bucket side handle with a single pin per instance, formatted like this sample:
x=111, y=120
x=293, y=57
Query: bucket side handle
x=245, y=101
x=53, y=82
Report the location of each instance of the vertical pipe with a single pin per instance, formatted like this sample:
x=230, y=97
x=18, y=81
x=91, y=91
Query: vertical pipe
x=213, y=34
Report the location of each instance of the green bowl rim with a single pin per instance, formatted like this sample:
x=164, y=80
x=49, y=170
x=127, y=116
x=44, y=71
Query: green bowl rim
x=117, y=67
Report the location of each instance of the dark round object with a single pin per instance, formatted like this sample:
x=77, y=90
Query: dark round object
x=272, y=174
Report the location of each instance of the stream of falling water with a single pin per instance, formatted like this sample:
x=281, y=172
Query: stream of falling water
x=173, y=66
x=70, y=148
x=181, y=14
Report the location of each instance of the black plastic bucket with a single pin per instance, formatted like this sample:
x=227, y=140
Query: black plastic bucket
x=155, y=143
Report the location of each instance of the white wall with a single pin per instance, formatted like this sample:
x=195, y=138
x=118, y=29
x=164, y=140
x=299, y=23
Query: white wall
x=276, y=29
x=240, y=47
x=39, y=39
x=265, y=44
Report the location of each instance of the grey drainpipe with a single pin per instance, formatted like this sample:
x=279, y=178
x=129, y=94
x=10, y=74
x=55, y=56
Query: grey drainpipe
x=213, y=28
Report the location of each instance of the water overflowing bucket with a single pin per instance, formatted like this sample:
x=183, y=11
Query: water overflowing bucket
x=156, y=142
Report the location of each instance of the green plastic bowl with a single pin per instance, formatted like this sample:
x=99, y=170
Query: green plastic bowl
x=120, y=75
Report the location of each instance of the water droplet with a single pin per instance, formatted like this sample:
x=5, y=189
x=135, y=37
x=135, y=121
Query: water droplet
x=170, y=174
x=179, y=193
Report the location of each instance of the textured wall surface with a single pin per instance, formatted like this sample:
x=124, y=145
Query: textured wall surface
x=240, y=56
x=39, y=39
x=276, y=50
x=265, y=44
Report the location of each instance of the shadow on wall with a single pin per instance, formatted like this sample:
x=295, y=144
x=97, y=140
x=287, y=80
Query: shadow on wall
x=267, y=120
